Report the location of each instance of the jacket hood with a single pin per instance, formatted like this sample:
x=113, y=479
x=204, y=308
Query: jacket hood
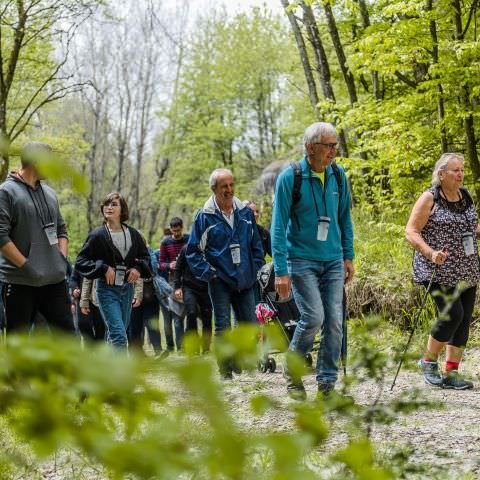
x=210, y=206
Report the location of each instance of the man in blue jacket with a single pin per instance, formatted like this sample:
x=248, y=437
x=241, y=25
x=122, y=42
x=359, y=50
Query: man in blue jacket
x=312, y=244
x=226, y=251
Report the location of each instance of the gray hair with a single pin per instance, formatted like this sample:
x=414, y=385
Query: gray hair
x=316, y=132
x=212, y=181
x=441, y=164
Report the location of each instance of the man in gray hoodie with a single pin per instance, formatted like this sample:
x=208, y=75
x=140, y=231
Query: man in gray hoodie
x=33, y=247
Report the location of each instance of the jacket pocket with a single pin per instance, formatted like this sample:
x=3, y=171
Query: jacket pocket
x=48, y=262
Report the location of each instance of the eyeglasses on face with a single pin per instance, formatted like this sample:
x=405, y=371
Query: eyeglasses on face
x=330, y=146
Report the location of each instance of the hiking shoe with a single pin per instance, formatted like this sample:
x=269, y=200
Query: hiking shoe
x=162, y=355
x=453, y=380
x=431, y=373
x=325, y=389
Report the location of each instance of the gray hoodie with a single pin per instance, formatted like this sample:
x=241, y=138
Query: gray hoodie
x=23, y=212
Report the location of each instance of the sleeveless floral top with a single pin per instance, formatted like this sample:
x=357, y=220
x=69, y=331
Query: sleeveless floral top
x=444, y=229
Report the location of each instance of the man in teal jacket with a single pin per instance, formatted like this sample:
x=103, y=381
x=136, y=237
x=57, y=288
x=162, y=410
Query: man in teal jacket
x=312, y=245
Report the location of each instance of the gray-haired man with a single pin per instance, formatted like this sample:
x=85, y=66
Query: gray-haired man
x=312, y=244
x=226, y=251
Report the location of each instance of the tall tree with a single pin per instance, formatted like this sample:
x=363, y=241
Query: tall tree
x=30, y=75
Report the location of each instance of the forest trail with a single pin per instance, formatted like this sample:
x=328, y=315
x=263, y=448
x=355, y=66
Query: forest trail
x=448, y=435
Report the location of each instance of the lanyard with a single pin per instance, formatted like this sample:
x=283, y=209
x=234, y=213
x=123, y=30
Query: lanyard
x=464, y=213
x=38, y=204
x=313, y=193
x=124, y=237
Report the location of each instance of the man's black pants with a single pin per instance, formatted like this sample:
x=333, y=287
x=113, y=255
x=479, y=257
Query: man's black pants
x=23, y=303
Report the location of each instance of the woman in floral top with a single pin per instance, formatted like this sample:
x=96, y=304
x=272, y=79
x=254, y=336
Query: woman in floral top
x=443, y=230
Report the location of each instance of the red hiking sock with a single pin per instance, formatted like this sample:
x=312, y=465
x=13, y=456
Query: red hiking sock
x=429, y=358
x=449, y=366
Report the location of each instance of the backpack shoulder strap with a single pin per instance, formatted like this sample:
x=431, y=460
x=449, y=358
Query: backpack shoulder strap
x=338, y=178
x=467, y=194
x=297, y=183
x=296, y=191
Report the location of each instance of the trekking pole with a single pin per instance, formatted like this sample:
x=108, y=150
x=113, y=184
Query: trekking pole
x=424, y=301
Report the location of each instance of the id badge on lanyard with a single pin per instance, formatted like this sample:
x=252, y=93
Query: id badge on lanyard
x=468, y=244
x=235, y=252
x=322, y=230
x=120, y=271
x=51, y=233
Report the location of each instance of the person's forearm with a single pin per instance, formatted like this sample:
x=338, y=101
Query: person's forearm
x=13, y=254
x=63, y=246
x=419, y=244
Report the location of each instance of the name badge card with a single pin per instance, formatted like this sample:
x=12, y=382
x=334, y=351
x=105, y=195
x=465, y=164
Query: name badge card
x=322, y=230
x=468, y=245
x=51, y=233
x=235, y=252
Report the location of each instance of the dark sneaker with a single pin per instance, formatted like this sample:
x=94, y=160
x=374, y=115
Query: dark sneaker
x=453, y=380
x=295, y=388
x=226, y=376
x=235, y=367
x=325, y=389
x=431, y=373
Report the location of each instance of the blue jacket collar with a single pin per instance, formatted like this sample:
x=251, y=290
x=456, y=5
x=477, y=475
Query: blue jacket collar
x=210, y=207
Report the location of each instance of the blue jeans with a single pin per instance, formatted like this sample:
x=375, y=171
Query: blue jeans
x=224, y=297
x=318, y=291
x=115, y=305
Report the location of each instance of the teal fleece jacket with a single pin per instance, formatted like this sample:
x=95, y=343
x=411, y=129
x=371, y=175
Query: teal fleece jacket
x=297, y=237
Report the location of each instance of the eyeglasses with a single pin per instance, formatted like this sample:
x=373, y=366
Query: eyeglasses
x=330, y=146
x=456, y=170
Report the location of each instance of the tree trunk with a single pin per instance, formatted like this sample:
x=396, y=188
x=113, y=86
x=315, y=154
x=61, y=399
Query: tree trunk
x=466, y=106
x=302, y=49
x=376, y=92
x=338, y=47
x=440, y=101
x=323, y=67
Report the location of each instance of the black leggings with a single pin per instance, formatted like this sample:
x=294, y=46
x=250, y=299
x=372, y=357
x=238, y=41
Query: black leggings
x=454, y=314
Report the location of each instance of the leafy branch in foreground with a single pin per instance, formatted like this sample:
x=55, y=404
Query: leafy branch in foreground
x=111, y=410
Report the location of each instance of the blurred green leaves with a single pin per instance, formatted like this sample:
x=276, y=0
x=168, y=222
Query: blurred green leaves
x=149, y=419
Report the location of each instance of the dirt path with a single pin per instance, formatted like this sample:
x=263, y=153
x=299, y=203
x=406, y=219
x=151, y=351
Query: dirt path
x=447, y=436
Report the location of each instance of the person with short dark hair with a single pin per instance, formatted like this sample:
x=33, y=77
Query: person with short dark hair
x=33, y=246
x=117, y=256
x=169, y=251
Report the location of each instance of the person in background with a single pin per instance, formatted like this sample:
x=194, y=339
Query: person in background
x=194, y=294
x=89, y=319
x=146, y=316
x=443, y=229
x=264, y=233
x=169, y=251
x=33, y=247
x=117, y=256
x=225, y=250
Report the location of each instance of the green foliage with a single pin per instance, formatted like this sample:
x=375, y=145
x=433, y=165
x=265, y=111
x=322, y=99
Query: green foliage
x=111, y=410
